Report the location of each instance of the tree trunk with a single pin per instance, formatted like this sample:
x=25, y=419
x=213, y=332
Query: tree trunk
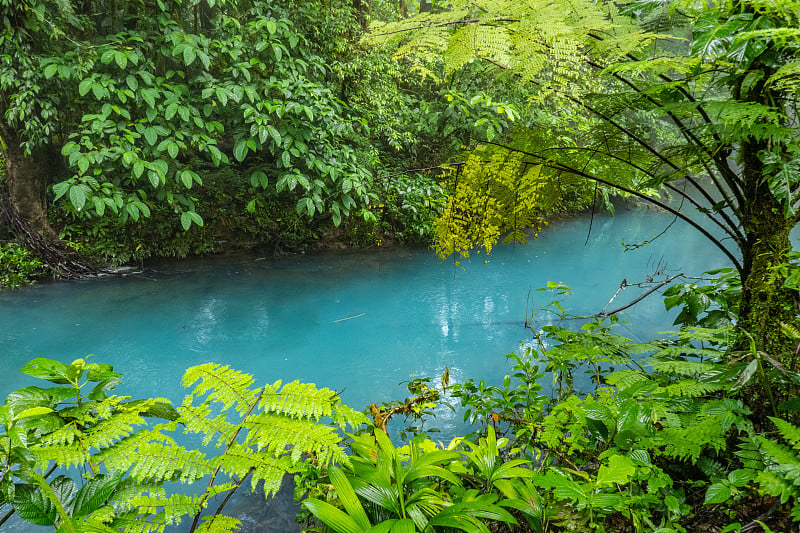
x=23, y=205
x=362, y=9
x=765, y=303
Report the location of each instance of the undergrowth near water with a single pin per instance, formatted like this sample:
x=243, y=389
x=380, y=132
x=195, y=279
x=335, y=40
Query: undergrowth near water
x=18, y=267
x=664, y=440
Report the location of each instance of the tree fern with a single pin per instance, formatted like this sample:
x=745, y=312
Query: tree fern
x=781, y=477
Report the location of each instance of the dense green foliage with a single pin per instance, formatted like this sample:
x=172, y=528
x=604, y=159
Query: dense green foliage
x=662, y=441
x=698, y=100
x=18, y=267
x=176, y=127
x=258, y=435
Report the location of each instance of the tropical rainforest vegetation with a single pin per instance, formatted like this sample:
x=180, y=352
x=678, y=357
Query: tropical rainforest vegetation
x=176, y=127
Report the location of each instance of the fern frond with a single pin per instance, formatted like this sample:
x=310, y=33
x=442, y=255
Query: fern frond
x=460, y=48
x=784, y=459
x=277, y=435
x=711, y=468
x=219, y=524
x=786, y=78
x=775, y=485
x=749, y=454
x=197, y=419
x=142, y=526
x=154, y=461
x=691, y=388
x=345, y=416
x=112, y=429
x=681, y=367
x=789, y=432
x=298, y=400
x=679, y=353
x=123, y=498
x=624, y=379
x=239, y=461
x=66, y=455
x=98, y=522
x=118, y=456
x=167, y=510
x=222, y=384
x=690, y=442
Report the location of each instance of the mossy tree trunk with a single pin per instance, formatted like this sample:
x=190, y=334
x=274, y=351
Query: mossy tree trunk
x=766, y=303
x=23, y=204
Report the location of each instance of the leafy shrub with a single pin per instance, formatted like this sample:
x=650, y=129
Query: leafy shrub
x=421, y=487
x=18, y=267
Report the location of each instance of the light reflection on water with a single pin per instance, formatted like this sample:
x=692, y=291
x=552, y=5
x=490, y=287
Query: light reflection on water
x=359, y=323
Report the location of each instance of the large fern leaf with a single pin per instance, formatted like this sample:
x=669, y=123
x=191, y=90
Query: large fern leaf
x=229, y=387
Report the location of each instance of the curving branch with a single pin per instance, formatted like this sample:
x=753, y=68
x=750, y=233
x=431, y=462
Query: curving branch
x=731, y=179
x=731, y=231
x=563, y=167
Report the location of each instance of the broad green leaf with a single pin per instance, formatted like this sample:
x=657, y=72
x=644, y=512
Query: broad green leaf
x=563, y=487
x=50, y=70
x=275, y=134
x=133, y=211
x=121, y=59
x=77, y=197
x=83, y=164
x=151, y=135
x=33, y=411
x=240, y=149
x=169, y=113
x=189, y=55
x=94, y=493
x=186, y=178
x=348, y=498
x=138, y=168
x=259, y=179
x=334, y=518
x=60, y=189
x=33, y=506
x=740, y=477
x=32, y=396
x=99, y=91
x=196, y=218
x=717, y=493
x=153, y=178
x=746, y=375
x=149, y=96
x=132, y=82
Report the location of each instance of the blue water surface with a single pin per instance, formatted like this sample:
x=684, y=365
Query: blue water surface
x=358, y=322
